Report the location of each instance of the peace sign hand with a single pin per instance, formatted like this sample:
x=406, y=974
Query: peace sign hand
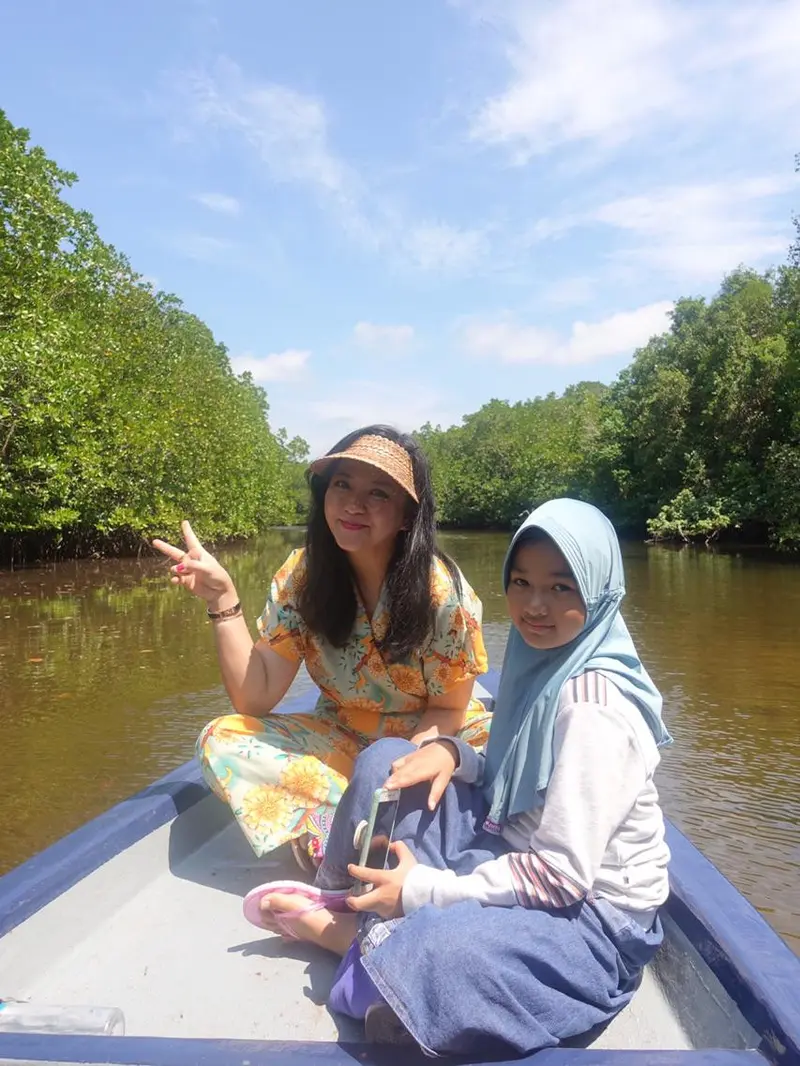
x=386, y=898
x=198, y=571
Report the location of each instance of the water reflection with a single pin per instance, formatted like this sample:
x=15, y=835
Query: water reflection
x=107, y=673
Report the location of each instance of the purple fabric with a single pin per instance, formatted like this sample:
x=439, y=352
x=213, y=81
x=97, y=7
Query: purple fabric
x=353, y=991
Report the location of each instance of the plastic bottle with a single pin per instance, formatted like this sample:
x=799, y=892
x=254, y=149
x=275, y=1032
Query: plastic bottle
x=22, y=1017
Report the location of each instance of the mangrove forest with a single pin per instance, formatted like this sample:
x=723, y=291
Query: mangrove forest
x=120, y=413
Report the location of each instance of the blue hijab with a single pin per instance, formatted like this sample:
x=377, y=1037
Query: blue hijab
x=519, y=755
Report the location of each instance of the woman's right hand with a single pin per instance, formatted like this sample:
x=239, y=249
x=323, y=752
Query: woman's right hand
x=435, y=762
x=198, y=571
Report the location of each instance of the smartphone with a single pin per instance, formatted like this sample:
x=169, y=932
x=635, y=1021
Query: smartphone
x=371, y=854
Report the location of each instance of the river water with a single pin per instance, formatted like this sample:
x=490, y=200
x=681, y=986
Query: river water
x=107, y=673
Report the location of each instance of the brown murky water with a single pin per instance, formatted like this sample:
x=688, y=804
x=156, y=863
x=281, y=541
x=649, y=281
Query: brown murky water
x=107, y=674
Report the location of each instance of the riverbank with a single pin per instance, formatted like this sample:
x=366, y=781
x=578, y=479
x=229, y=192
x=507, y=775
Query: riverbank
x=19, y=555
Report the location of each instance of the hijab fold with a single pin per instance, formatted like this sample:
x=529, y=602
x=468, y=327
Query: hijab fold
x=519, y=754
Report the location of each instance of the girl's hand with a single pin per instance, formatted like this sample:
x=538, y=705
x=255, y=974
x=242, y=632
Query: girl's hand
x=198, y=571
x=435, y=762
x=386, y=898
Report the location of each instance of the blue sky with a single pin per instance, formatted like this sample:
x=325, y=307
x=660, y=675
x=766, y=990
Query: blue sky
x=395, y=212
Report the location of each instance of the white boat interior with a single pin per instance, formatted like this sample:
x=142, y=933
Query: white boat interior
x=158, y=931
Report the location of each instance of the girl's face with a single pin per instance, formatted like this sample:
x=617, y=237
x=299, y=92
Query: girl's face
x=543, y=598
x=364, y=508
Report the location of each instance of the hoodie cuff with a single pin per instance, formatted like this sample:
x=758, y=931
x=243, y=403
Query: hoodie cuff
x=420, y=885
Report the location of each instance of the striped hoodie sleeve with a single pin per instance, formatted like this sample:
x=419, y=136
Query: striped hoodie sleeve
x=515, y=879
x=598, y=773
x=537, y=884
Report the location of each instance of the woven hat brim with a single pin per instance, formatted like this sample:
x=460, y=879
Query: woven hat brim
x=321, y=465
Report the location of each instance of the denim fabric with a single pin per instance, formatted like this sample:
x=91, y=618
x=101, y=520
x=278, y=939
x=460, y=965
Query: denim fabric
x=490, y=980
x=448, y=838
x=478, y=980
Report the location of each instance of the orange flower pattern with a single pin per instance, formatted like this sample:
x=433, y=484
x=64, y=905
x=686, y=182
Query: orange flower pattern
x=283, y=775
x=306, y=779
x=265, y=803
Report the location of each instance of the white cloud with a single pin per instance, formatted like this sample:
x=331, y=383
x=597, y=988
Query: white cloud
x=698, y=232
x=215, y=201
x=619, y=334
x=289, y=132
x=383, y=339
x=588, y=342
x=279, y=366
x=583, y=72
x=694, y=233
x=286, y=129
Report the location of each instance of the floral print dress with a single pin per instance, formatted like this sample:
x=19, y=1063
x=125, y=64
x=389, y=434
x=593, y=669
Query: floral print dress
x=284, y=774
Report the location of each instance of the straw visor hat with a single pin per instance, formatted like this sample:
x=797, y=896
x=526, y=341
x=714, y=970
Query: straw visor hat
x=379, y=452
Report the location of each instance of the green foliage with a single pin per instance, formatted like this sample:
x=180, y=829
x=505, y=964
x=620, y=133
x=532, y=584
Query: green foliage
x=506, y=458
x=794, y=252
x=703, y=425
x=697, y=438
x=296, y=456
x=687, y=517
x=119, y=412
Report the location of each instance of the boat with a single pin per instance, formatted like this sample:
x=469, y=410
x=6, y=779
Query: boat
x=141, y=909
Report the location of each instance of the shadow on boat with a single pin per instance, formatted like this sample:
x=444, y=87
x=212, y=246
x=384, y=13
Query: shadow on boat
x=208, y=849
x=318, y=968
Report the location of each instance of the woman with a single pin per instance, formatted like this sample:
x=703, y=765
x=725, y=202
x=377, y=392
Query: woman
x=387, y=627
x=529, y=905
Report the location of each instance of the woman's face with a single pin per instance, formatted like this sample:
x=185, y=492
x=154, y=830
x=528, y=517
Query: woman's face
x=364, y=508
x=543, y=598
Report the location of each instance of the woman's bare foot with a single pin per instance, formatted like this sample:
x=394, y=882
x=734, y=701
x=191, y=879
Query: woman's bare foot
x=333, y=931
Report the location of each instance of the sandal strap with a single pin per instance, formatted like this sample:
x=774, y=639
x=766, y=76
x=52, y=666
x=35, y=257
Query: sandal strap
x=316, y=899
x=286, y=920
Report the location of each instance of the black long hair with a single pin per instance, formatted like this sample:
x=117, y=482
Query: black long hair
x=327, y=601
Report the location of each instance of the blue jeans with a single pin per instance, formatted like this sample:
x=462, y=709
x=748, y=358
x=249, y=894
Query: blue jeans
x=448, y=838
x=477, y=980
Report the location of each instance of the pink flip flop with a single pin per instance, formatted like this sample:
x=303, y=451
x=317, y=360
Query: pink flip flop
x=318, y=898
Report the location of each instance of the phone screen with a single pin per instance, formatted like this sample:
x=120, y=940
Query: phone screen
x=375, y=845
x=378, y=852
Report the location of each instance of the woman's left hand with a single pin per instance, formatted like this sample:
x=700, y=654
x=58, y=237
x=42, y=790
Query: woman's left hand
x=435, y=762
x=386, y=898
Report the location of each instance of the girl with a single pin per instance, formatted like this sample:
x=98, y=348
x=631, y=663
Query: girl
x=388, y=628
x=527, y=903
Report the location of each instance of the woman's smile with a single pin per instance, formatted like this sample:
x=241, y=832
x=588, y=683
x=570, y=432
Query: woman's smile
x=365, y=509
